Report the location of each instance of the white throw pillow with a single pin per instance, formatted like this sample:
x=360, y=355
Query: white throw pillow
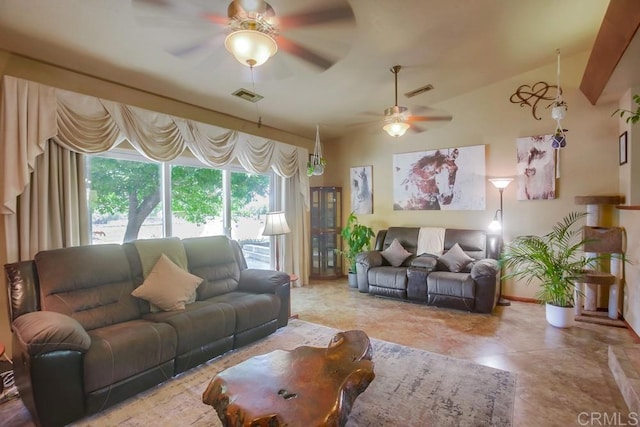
x=455, y=259
x=167, y=286
x=395, y=253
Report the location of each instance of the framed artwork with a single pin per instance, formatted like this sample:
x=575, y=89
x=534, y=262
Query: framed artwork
x=362, y=190
x=443, y=179
x=536, y=168
x=622, y=148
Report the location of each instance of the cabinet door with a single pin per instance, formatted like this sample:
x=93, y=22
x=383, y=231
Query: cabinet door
x=326, y=220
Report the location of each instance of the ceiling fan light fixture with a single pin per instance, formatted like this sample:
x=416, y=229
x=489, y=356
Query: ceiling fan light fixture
x=251, y=47
x=396, y=128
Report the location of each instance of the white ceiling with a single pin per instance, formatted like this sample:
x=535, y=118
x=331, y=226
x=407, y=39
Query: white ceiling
x=456, y=45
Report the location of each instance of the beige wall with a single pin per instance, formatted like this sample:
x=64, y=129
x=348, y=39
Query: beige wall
x=39, y=72
x=589, y=164
x=630, y=219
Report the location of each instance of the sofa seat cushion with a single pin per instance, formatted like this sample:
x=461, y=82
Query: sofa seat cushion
x=125, y=349
x=451, y=284
x=251, y=309
x=199, y=324
x=388, y=277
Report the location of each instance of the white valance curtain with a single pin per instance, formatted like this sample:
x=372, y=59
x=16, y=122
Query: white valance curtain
x=32, y=113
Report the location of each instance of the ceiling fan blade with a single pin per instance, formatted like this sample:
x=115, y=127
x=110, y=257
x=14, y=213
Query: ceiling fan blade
x=412, y=119
x=416, y=129
x=342, y=13
x=215, y=18
x=304, y=53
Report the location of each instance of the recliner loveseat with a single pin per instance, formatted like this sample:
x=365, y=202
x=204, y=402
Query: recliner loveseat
x=82, y=342
x=455, y=268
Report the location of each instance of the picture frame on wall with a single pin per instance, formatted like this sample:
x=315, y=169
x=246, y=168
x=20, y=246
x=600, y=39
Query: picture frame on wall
x=622, y=148
x=362, y=190
x=450, y=178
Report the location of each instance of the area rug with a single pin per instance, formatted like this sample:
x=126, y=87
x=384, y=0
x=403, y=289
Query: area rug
x=411, y=388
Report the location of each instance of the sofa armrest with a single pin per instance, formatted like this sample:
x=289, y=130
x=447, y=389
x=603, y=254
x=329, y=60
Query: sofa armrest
x=485, y=268
x=42, y=332
x=48, y=354
x=269, y=282
x=486, y=275
x=262, y=281
x=425, y=261
x=364, y=262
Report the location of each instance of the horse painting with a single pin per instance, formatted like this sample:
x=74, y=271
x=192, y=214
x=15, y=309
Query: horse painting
x=361, y=194
x=536, y=168
x=450, y=178
x=432, y=179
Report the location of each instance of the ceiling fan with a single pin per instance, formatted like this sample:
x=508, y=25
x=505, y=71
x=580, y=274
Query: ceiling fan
x=397, y=118
x=255, y=32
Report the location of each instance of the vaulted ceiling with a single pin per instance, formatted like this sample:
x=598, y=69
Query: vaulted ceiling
x=173, y=48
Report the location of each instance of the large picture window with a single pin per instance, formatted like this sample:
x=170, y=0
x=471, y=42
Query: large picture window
x=125, y=200
x=128, y=200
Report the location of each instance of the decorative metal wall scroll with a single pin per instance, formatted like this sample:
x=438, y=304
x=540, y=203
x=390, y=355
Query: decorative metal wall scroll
x=532, y=95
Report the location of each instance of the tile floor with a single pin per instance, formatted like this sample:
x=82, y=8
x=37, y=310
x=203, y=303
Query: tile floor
x=563, y=374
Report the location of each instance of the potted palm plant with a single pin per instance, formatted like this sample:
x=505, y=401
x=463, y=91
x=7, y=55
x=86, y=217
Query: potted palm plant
x=357, y=238
x=556, y=261
x=632, y=116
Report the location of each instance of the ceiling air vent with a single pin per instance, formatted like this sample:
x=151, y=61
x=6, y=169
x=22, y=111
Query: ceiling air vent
x=247, y=95
x=418, y=91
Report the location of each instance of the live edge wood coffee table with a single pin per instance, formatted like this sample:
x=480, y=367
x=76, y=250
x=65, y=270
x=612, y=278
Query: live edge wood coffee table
x=307, y=386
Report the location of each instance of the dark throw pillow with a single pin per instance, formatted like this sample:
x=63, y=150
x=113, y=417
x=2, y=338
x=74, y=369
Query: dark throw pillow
x=455, y=259
x=395, y=253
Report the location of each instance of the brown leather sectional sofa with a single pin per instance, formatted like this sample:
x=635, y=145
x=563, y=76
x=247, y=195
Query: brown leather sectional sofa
x=82, y=342
x=422, y=277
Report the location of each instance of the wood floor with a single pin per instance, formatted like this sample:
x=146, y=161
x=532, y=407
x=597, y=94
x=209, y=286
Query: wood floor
x=563, y=378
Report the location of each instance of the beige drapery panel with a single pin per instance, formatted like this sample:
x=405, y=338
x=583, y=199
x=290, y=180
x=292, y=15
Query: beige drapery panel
x=51, y=210
x=32, y=113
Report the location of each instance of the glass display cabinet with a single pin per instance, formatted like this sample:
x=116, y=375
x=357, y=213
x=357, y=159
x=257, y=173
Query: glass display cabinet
x=326, y=224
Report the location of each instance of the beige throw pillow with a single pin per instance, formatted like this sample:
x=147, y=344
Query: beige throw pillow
x=455, y=259
x=167, y=286
x=395, y=253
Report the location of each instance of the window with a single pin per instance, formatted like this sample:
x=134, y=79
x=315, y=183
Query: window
x=127, y=202
x=124, y=200
x=249, y=205
x=196, y=201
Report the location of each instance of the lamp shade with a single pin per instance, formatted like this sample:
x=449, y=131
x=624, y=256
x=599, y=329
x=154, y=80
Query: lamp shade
x=251, y=47
x=396, y=128
x=501, y=182
x=275, y=224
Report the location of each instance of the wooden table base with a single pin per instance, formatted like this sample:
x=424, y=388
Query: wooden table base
x=307, y=386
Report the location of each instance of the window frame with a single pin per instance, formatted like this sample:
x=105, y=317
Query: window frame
x=120, y=153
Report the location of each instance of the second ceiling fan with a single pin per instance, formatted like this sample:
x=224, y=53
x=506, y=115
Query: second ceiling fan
x=398, y=118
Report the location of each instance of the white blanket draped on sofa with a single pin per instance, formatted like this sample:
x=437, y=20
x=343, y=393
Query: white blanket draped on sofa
x=430, y=240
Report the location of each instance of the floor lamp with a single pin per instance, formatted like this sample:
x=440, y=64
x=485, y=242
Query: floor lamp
x=276, y=225
x=497, y=224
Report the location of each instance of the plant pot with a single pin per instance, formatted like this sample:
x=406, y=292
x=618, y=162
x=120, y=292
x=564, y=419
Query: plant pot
x=560, y=317
x=558, y=112
x=353, y=280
